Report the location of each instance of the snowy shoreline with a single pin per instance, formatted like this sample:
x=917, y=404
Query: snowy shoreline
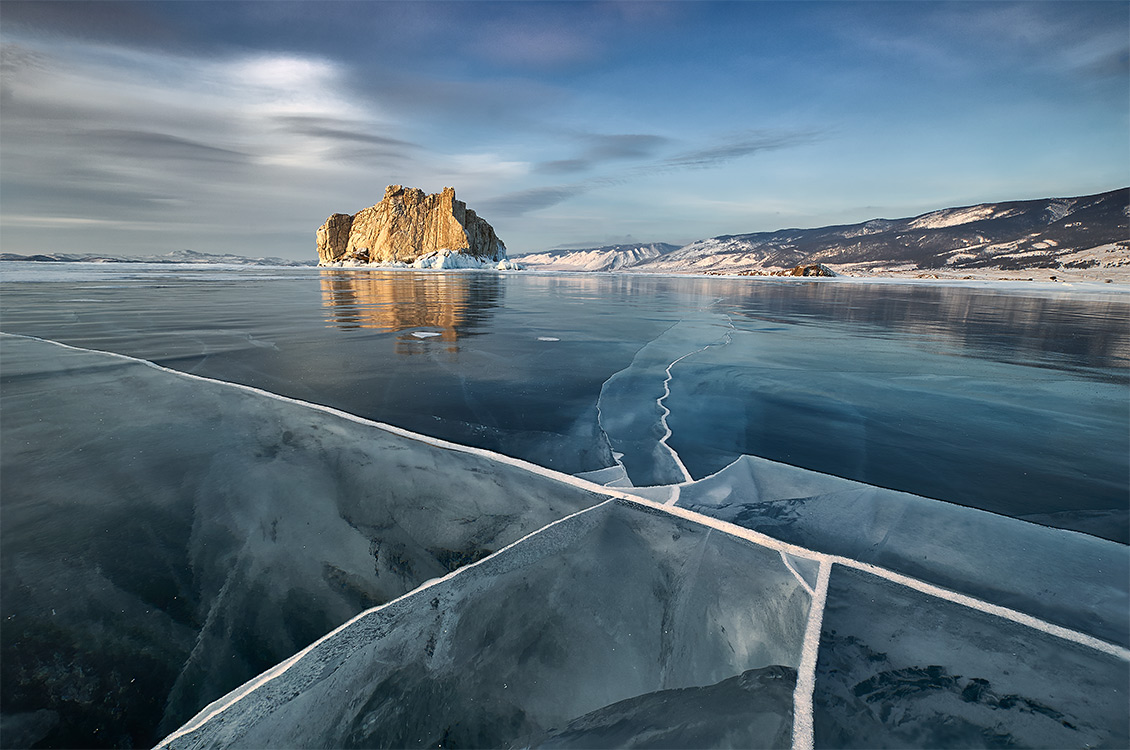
x=1065, y=280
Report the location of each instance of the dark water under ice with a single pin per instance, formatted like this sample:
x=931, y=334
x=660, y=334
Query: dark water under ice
x=1008, y=398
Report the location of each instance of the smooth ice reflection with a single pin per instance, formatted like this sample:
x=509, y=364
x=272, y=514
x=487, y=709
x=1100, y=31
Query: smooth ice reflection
x=923, y=419
x=1008, y=398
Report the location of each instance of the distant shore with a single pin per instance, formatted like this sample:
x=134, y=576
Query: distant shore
x=1118, y=276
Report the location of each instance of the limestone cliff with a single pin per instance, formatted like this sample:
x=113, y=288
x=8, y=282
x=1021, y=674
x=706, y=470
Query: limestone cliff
x=406, y=225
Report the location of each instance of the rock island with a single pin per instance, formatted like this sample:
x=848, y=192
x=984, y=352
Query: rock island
x=411, y=228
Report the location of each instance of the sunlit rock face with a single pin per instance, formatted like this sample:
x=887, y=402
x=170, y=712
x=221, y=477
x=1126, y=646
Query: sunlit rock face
x=406, y=225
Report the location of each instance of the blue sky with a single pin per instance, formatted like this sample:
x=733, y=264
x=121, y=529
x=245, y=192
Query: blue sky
x=239, y=127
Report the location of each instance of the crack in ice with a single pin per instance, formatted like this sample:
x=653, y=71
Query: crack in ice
x=806, y=672
x=667, y=412
x=616, y=455
x=799, y=577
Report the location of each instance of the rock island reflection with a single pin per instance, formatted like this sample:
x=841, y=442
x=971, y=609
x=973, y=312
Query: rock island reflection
x=445, y=305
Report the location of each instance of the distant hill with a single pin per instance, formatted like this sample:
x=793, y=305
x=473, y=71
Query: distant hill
x=1088, y=232
x=176, y=256
x=606, y=258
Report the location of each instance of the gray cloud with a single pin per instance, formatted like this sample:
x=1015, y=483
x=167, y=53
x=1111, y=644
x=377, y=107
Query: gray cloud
x=563, y=166
x=743, y=145
x=630, y=146
x=524, y=201
x=159, y=146
x=1115, y=64
x=405, y=93
x=94, y=198
x=339, y=130
x=599, y=149
x=129, y=22
x=606, y=149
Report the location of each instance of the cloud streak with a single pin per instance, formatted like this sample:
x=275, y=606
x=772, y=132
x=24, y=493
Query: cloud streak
x=598, y=149
x=739, y=146
x=521, y=202
x=605, y=150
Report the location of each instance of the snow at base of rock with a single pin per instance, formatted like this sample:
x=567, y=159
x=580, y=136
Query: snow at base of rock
x=440, y=260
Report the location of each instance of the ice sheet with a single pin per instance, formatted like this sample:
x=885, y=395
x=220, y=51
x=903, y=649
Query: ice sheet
x=183, y=511
x=916, y=417
x=633, y=414
x=1006, y=397
x=1069, y=578
x=541, y=635
x=165, y=539
x=898, y=669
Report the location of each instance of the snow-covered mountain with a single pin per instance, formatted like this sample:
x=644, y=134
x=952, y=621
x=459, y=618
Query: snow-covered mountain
x=607, y=258
x=1088, y=232
x=175, y=256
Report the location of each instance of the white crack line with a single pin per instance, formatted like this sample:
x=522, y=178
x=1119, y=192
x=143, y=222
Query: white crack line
x=806, y=672
x=741, y=532
x=799, y=577
x=221, y=705
x=666, y=412
x=616, y=456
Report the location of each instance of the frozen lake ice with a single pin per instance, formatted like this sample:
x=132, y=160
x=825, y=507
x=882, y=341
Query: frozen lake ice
x=963, y=449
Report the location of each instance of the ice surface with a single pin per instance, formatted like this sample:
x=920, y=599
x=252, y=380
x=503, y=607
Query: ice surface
x=632, y=410
x=165, y=539
x=753, y=709
x=912, y=416
x=1068, y=578
x=900, y=669
x=542, y=635
x=944, y=390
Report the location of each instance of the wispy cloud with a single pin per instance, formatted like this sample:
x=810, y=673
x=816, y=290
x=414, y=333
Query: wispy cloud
x=599, y=149
x=633, y=149
x=738, y=146
x=158, y=147
x=532, y=199
x=221, y=116
x=335, y=129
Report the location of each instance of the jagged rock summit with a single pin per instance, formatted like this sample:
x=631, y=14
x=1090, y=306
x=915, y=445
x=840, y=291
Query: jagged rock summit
x=412, y=228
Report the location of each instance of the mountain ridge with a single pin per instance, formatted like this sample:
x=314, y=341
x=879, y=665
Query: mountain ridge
x=1064, y=234
x=174, y=256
